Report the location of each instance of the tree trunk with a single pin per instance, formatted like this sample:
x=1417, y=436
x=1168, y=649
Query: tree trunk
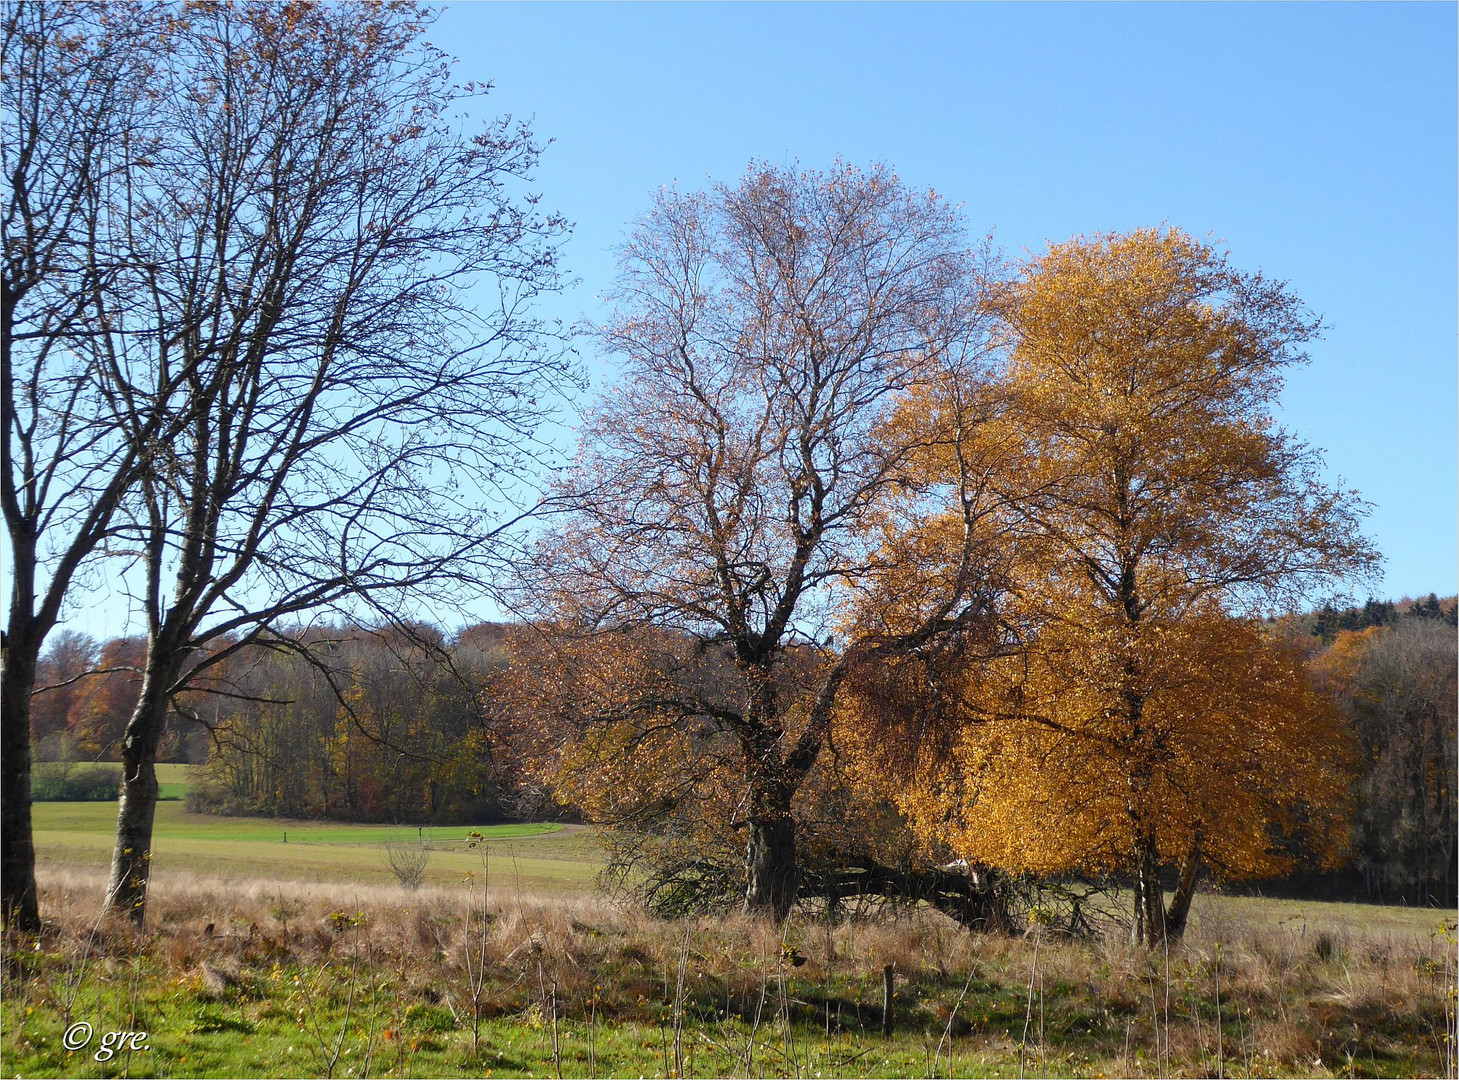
x=1149, y=925
x=771, y=865
x=1185, y=891
x=131, y=860
x=18, y=907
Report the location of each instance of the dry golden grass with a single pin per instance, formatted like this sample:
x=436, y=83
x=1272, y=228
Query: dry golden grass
x=1285, y=1000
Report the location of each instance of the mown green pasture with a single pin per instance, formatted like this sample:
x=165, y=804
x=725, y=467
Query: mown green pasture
x=540, y=857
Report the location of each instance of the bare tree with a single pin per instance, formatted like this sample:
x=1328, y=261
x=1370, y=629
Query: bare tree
x=72, y=93
x=736, y=483
x=335, y=285
x=1397, y=686
x=407, y=860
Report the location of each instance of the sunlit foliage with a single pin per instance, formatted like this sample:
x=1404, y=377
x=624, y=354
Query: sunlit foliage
x=1132, y=723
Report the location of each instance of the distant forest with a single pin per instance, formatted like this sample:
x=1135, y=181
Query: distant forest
x=422, y=728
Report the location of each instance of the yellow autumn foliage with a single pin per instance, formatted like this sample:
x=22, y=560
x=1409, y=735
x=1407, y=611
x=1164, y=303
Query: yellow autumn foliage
x=1239, y=749
x=1125, y=710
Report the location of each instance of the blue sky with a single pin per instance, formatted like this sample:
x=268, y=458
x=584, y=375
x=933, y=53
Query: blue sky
x=1316, y=142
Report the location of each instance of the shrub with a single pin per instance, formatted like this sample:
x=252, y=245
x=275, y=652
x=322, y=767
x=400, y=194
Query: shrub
x=65, y=781
x=407, y=860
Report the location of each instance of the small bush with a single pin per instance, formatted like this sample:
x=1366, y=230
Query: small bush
x=65, y=781
x=432, y=1018
x=407, y=860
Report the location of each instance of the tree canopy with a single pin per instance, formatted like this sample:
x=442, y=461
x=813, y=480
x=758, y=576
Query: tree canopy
x=733, y=481
x=304, y=354
x=1157, y=501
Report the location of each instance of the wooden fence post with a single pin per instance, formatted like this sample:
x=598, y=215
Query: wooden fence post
x=888, y=983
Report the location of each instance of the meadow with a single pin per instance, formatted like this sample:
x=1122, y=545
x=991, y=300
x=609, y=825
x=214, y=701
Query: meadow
x=543, y=856
x=303, y=957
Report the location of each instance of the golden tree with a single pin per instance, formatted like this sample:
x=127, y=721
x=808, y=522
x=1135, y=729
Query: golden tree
x=1238, y=766
x=734, y=482
x=1138, y=723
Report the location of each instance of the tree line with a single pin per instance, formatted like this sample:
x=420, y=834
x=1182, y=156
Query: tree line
x=422, y=730
x=1395, y=686
x=881, y=563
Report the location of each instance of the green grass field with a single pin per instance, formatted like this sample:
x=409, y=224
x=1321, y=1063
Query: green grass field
x=541, y=856
x=173, y=779
x=238, y=977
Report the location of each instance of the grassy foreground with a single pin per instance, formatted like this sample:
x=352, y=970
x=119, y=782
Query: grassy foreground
x=303, y=958
x=260, y=978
